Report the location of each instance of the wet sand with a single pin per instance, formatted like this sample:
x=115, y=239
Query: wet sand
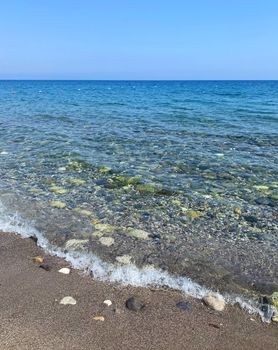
x=32, y=318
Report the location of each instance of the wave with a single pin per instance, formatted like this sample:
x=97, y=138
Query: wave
x=126, y=274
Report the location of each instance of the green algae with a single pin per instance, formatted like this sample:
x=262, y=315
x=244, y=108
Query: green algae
x=57, y=204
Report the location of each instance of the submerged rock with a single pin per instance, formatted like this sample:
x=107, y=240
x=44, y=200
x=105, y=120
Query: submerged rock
x=139, y=234
x=57, y=204
x=214, y=301
x=68, y=301
x=107, y=241
x=124, y=259
x=76, y=244
x=134, y=304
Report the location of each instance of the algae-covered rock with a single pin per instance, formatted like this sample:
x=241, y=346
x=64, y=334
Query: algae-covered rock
x=237, y=211
x=139, y=234
x=83, y=212
x=76, y=181
x=124, y=259
x=107, y=241
x=57, y=204
x=274, y=300
x=261, y=187
x=194, y=214
x=59, y=190
x=104, y=169
x=76, y=244
x=105, y=227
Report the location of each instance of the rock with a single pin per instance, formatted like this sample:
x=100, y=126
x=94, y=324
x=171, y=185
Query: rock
x=57, y=204
x=124, y=259
x=77, y=181
x=83, y=212
x=107, y=241
x=184, y=305
x=261, y=187
x=274, y=300
x=59, y=190
x=45, y=267
x=68, y=301
x=275, y=316
x=76, y=244
x=64, y=270
x=251, y=218
x=194, y=214
x=107, y=302
x=99, y=318
x=214, y=301
x=38, y=259
x=105, y=227
x=134, y=304
x=139, y=234
x=34, y=239
x=237, y=211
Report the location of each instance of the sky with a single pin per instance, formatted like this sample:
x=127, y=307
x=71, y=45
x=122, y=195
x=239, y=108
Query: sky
x=139, y=39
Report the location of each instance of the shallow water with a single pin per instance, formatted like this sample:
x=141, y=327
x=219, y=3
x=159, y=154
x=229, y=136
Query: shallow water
x=192, y=165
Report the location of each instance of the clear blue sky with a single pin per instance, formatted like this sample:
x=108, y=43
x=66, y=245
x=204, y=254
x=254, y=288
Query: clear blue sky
x=138, y=39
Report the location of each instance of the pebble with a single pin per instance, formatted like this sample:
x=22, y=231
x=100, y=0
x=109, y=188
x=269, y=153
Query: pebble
x=45, y=267
x=214, y=301
x=38, y=259
x=57, y=204
x=139, y=234
x=68, y=301
x=134, y=304
x=124, y=259
x=64, y=270
x=107, y=241
x=99, y=318
x=76, y=243
x=184, y=305
x=107, y=302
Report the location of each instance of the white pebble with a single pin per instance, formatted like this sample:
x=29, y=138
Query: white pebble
x=64, y=270
x=68, y=301
x=214, y=301
x=107, y=302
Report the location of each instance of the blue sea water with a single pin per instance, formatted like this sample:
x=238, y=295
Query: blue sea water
x=180, y=175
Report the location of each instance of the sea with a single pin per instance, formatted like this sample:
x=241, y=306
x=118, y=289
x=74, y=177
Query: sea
x=167, y=183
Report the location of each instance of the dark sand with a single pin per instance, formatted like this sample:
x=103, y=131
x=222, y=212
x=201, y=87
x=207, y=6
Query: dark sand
x=32, y=318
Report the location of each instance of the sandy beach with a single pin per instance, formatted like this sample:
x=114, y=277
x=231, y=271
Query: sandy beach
x=33, y=318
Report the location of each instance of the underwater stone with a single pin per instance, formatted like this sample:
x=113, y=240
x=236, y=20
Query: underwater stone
x=57, y=204
x=194, y=214
x=107, y=241
x=58, y=190
x=76, y=181
x=237, y=211
x=105, y=227
x=76, y=244
x=83, y=211
x=124, y=259
x=139, y=234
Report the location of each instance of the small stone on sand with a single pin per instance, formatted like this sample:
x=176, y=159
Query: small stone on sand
x=64, y=270
x=107, y=241
x=214, y=301
x=99, y=318
x=134, y=304
x=38, y=259
x=45, y=267
x=107, y=302
x=68, y=301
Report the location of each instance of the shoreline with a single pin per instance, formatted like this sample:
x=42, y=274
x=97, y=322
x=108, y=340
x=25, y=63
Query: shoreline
x=31, y=316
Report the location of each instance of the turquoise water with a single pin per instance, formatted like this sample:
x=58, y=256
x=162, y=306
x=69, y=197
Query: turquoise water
x=192, y=165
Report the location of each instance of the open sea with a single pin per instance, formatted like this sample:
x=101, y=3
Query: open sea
x=146, y=182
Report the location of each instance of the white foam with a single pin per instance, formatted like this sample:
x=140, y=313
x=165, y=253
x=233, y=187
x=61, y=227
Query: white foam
x=126, y=275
